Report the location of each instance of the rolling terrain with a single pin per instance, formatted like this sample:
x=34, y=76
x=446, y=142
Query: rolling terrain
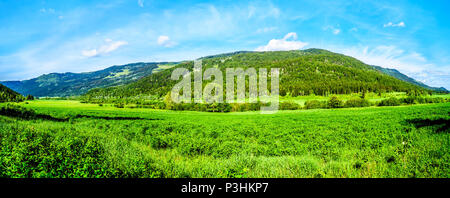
x=73, y=84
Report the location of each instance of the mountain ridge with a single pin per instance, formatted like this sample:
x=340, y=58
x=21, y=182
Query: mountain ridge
x=73, y=84
x=302, y=72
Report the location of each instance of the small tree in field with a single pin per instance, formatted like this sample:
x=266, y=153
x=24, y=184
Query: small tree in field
x=334, y=102
x=168, y=101
x=30, y=97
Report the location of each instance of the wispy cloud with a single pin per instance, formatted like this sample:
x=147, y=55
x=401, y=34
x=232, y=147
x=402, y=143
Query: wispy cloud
x=390, y=24
x=141, y=3
x=283, y=44
x=354, y=29
x=412, y=63
x=263, y=11
x=266, y=29
x=47, y=10
x=165, y=41
x=274, y=11
x=333, y=29
x=108, y=47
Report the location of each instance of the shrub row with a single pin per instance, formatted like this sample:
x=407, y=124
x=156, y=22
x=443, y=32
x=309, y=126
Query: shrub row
x=411, y=100
x=332, y=102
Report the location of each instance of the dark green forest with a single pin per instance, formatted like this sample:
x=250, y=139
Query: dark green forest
x=8, y=95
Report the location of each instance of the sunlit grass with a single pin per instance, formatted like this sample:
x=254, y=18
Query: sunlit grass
x=353, y=142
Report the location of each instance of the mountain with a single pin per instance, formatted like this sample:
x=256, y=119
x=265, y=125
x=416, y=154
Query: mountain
x=395, y=73
x=302, y=72
x=8, y=95
x=307, y=71
x=72, y=84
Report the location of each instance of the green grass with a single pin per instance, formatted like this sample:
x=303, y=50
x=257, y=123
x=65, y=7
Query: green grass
x=118, y=74
x=94, y=141
x=370, y=96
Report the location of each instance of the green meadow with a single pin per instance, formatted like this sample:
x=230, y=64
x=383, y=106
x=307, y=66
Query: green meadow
x=63, y=138
x=371, y=97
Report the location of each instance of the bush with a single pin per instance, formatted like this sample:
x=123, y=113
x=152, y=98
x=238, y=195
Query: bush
x=119, y=105
x=289, y=106
x=420, y=100
x=315, y=104
x=30, y=97
x=414, y=100
x=334, y=102
x=408, y=100
x=225, y=107
x=17, y=111
x=357, y=102
x=29, y=153
x=434, y=100
x=390, y=102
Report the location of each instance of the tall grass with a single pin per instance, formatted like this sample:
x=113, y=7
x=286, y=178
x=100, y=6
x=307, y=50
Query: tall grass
x=93, y=141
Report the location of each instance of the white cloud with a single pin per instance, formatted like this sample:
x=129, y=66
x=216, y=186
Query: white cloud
x=283, y=44
x=141, y=3
x=108, y=47
x=390, y=24
x=165, y=41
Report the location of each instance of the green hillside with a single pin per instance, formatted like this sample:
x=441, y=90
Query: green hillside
x=395, y=73
x=8, y=95
x=303, y=72
x=71, y=84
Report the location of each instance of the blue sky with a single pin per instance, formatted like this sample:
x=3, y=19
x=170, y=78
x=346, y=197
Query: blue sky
x=39, y=37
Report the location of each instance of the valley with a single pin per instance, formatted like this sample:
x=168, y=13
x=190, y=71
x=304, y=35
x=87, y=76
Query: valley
x=337, y=118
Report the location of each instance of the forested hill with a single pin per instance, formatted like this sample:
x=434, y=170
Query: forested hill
x=8, y=95
x=71, y=84
x=303, y=72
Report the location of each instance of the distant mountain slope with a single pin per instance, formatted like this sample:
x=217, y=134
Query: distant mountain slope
x=395, y=73
x=303, y=72
x=71, y=84
x=8, y=95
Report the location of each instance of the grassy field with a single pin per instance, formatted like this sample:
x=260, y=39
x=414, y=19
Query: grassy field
x=86, y=140
x=370, y=96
